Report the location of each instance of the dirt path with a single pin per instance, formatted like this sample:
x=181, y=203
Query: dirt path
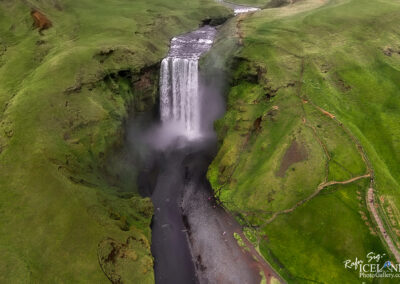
x=371, y=206
x=305, y=100
x=370, y=197
x=370, y=172
x=319, y=189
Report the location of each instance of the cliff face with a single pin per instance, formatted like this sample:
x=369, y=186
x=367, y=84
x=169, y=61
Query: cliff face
x=64, y=96
x=308, y=129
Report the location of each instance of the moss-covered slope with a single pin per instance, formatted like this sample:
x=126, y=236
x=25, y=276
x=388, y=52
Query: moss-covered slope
x=312, y=119
x=69, y=71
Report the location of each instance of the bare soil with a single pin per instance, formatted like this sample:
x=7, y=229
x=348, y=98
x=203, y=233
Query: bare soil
x=41, y=22
x=294, y=154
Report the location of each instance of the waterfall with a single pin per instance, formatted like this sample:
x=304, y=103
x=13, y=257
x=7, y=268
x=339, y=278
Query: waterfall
x=179, y=94
x=180, y=100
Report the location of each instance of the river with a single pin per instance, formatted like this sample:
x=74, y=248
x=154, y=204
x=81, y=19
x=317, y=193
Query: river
x=192, y=237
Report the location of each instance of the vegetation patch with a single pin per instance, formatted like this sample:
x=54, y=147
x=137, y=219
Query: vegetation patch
x=126, y=262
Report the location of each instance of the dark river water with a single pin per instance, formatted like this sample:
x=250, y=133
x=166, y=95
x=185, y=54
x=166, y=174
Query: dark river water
x=192, y=237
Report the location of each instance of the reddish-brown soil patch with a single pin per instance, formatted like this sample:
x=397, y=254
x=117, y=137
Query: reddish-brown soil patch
x=41, y=22
x=294, y=154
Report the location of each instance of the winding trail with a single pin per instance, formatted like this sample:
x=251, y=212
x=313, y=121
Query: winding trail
x=319, y=189
x=370, y=196
x=371, y=205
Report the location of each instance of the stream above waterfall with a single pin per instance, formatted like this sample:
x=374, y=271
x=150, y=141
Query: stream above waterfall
x=237, y=8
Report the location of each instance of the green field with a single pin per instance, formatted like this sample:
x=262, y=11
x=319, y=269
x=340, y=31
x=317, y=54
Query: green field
x=313, y=86
x=309, y=82
x=64, y=95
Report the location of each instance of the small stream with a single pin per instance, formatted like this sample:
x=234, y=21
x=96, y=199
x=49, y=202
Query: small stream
x=238, y=9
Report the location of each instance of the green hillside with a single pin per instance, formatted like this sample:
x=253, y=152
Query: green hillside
x=312, y=120
x=312, y=123
x=64, y=94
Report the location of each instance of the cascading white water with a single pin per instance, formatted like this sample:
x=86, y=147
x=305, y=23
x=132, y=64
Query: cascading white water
x=180, y=100
x=238, y=9
x=179, y=92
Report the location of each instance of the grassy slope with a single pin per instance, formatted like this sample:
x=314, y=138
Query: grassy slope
x=60, y=113
x=326, y=54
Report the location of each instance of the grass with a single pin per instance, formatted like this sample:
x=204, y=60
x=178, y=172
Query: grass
x=64, y=96
x=63, y=101
x=310, y=233
x=298, y=65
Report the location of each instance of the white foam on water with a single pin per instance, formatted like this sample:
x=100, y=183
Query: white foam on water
x=242, y=10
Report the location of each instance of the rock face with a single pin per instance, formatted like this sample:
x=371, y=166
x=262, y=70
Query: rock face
x=41, y=22
x=145, y=87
